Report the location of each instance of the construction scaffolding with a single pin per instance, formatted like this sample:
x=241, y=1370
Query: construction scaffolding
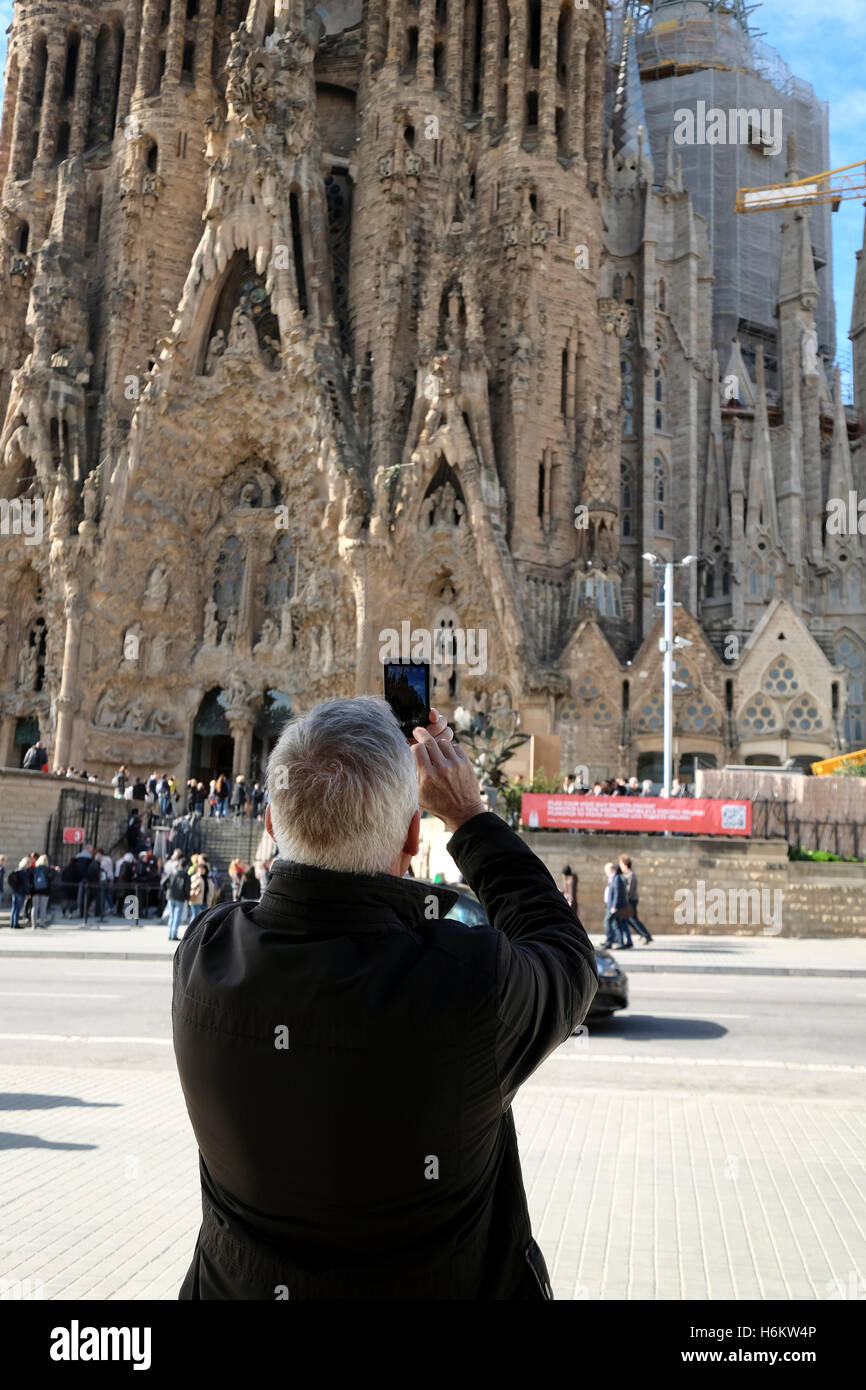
x=701, y=56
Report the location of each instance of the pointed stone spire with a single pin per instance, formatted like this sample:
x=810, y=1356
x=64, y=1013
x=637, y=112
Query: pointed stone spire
x=716, y=523
x=628, y=119
x=797, y=274
x=790, y=495
x=798, y=299
x=737, y=384
x=841, y=478
x=761, y=512
x=669, y=165
x=738, y=548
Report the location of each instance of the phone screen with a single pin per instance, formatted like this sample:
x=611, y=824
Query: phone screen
x=407, y=690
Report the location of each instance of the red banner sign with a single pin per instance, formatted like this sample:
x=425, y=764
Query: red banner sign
x=73, y=834
x=686, y=815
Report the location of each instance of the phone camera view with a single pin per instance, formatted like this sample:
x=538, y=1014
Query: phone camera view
x=407, y=690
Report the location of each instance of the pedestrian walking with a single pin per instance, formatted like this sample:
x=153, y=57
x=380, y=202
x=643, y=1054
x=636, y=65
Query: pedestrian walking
x=124, y=873
x=239, y=795
x=106, y=877
x=36, y=758
x=42, y=876
x=630, y=879
x=236, y=877
x=20, y=888
x=222, y=789
x=176, y=882
x=616, y=929
x=119, y=781
x=199, y=887
x=569, y=886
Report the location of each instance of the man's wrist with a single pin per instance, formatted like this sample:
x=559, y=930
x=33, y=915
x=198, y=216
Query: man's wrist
x=452, y=826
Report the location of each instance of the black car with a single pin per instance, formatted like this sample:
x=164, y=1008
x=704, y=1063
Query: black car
x=612, y=980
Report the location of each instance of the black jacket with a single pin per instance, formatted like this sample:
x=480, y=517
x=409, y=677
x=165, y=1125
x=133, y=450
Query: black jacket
x=349, y=1057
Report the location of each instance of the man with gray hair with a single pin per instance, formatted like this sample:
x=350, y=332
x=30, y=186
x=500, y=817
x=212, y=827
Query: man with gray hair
x=349, y=1054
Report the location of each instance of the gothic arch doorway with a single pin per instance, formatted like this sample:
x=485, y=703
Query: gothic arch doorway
x=273, y=715
x=212, y=743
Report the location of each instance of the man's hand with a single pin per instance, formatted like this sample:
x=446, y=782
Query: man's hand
x=438, y=728
x=447, y=784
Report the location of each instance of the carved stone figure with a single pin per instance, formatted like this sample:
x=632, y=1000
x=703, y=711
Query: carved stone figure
x=156, y=655
x=230, y=631
x=28, y=666
x=242, y=334
x=107, y=710
x=210, y=623
x=159, y=721
x=269, y=636
x=134, y=716
x=215, y=349
x=156, y=592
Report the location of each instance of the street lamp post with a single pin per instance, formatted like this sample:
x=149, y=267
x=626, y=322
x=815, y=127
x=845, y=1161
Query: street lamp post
x=667, y=644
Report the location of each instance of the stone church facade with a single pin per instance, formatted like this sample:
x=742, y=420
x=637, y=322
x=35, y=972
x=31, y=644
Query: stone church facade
x=317, y=327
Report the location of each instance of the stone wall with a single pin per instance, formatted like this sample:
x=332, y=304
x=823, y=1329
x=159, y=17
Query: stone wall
x=816, y=899
x=28, y=800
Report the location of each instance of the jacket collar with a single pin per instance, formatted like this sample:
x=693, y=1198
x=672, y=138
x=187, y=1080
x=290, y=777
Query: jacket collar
x=369, y=900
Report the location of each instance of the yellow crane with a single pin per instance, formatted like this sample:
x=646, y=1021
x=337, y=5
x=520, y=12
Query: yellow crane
x=832, y=186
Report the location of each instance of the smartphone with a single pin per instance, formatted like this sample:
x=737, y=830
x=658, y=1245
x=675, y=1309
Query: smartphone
x=407, y=690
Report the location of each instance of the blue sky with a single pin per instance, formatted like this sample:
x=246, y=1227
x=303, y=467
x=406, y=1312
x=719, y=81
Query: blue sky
x=829, y=54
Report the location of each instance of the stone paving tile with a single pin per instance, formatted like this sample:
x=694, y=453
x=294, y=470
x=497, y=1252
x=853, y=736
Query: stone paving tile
x=633, y=1194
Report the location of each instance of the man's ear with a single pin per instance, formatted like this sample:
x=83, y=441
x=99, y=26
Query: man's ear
x=413, y=836
x=268, y=825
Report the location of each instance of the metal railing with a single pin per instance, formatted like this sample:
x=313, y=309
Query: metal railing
x=775, y=820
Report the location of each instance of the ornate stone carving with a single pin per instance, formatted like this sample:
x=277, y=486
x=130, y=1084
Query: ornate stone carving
x=157, y=589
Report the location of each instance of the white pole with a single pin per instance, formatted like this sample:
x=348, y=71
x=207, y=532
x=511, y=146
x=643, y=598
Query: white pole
x=669, y=674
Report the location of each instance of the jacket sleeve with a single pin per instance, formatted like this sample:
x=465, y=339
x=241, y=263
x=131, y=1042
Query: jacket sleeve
x=546, y=972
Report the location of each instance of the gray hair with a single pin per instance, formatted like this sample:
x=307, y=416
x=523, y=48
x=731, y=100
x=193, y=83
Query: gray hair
x=343, y=787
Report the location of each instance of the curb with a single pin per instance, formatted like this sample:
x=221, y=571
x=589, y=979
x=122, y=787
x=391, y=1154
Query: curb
x=86, y=955
x=814, y=972
x=637, y=968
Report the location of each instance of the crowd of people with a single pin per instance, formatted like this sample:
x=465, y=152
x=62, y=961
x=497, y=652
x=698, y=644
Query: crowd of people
x=217, y=799
x=194, y=884
x=620, y=786
x=220, y=797
x=92, y=886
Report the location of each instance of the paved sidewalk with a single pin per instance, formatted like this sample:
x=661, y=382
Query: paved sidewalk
x=118, y=939
x=634, y=1193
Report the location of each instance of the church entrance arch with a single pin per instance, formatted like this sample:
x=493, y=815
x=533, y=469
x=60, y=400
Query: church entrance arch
x=274, y=713
x=212, y=742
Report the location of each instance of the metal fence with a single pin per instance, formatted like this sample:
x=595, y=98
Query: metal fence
x=776, y=820
x=102, y=818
